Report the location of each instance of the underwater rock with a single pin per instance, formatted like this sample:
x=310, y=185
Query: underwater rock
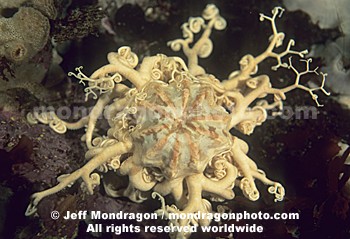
x=24, y=34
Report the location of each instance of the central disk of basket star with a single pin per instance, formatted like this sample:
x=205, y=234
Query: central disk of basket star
x=182, y=128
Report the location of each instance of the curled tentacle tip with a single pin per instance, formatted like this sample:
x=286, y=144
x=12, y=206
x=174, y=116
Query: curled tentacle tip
x=155, y=195
x=262, y=17
x=31, y=118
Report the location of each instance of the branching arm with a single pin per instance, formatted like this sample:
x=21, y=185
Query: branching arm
x=204, y=46
x=305, y=88
x=249, y=64
x=84, y=173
